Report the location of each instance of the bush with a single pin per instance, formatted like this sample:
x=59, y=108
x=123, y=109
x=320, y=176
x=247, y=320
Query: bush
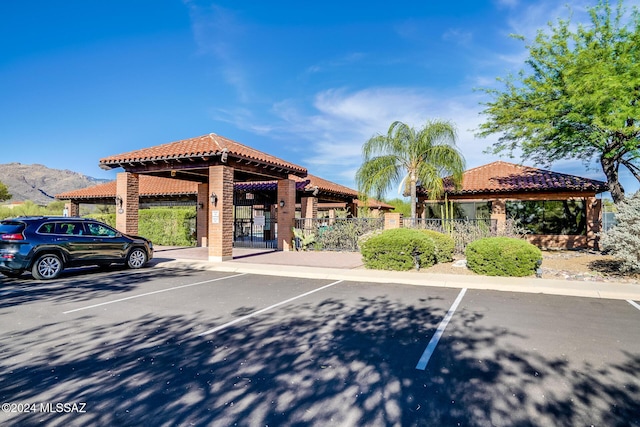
x=343, y=234
x=444, y=245
x=398, y=249
x=163, y=226
x=503, y=256
x=109, y=219
x=464, y=231
x=623, y=240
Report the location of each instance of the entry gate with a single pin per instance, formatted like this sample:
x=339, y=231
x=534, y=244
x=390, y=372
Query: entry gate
x=254, y=225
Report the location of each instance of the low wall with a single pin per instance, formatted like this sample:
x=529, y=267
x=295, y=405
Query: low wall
x=550, y=241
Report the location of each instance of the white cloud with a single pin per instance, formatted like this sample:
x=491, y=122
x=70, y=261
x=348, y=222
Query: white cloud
x=343, y=120
x=458, y=36
x=534, y=16
x=216, y=31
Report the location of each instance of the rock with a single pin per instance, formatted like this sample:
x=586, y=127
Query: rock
x=460, y=263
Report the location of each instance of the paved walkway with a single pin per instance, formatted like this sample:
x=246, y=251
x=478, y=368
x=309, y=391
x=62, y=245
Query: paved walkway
x=348, y=266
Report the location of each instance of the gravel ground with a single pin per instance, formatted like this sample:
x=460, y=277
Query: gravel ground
x=569, y=265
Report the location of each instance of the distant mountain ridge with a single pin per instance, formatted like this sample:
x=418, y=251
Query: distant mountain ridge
x=40, y=184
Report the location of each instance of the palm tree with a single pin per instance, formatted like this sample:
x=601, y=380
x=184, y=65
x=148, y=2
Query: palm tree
x=424, y=157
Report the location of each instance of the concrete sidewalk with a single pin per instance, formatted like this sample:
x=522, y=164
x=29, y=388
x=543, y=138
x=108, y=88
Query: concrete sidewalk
x=348, y=266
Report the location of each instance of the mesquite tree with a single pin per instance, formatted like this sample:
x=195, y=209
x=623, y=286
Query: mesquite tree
x=579, y=97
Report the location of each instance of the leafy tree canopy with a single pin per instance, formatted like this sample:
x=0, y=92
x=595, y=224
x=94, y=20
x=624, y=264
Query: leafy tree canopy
x=579, y=97
x=401, y=206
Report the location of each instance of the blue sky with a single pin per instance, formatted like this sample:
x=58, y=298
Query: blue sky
x=309, y=82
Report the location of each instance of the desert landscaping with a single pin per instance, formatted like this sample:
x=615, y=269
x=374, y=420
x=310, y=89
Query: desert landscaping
x=583, y=265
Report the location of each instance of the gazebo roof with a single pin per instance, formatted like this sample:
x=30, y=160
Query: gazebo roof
x=190, y=158
x=153, y=186
x=149, y=186
x=505, y=177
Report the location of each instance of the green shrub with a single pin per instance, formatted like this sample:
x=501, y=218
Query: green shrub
x=444, y=245
x=502, y=256
x=167, y=226
x=398, y=249
x=109, y=219
x=164, y=226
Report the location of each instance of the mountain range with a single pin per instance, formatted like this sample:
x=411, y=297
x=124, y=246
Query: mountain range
x=39, y=183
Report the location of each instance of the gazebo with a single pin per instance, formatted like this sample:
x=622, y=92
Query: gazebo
x=255, y=203
x=557, y=210
x=214, y=163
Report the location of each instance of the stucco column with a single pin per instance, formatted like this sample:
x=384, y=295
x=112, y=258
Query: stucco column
x=203, y=207
x=286, y=212
x=127, y=202
x=392, y=220
x=220, y=218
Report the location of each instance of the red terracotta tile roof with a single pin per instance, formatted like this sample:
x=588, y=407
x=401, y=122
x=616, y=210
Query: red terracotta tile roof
x=149, y=186
x=504, y=177
x=265, y=186
x=202, y=146
x=309, y=183
x=370, y=203
x=327, y=186
x=157, y=186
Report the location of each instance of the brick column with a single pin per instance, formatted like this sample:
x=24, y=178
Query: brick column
x=220, y=216
x=499, y=213
x=73, y=208
x=127, y=202
x=203, y=209
x=286, y=213
x=308, y=207
x=352, y=208
x=392, y=220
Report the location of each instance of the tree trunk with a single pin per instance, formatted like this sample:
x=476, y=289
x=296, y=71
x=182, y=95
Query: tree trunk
x=610, y=169
x=413, y=196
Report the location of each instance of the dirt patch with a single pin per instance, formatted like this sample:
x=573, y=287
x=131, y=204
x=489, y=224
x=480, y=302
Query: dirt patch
x=569, y=265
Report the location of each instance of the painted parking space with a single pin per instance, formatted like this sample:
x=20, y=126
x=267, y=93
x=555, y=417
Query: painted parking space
x=207, y=348
x=508, y=359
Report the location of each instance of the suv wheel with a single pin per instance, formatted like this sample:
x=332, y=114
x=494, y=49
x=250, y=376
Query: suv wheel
x=136, y=258
x=47, y=267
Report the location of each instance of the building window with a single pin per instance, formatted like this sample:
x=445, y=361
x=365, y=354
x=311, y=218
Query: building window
x=461, y=210
x=559, y=217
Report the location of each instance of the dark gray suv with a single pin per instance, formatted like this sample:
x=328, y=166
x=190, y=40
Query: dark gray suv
x=47, y=245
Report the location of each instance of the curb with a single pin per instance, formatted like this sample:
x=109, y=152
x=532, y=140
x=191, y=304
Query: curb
x=602, y=290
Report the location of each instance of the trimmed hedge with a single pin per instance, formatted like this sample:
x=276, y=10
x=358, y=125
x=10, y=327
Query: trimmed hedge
x=503, y=256
x=397, y=249
x=163, y=226
x=444, y=243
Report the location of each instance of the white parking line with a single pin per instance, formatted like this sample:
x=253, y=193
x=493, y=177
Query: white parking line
x=152, y=293
x=633, y=303
x=255, y=313
x=428, y=352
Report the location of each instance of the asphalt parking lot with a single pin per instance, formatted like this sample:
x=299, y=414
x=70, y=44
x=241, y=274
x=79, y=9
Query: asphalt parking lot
x=166, y=347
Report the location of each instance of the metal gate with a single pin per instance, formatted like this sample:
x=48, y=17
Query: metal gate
x=254, y=225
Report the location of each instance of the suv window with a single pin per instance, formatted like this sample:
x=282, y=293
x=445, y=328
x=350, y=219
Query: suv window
x=72, y=228
x=96, y=229
x=11, y=227
x=47, y=228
